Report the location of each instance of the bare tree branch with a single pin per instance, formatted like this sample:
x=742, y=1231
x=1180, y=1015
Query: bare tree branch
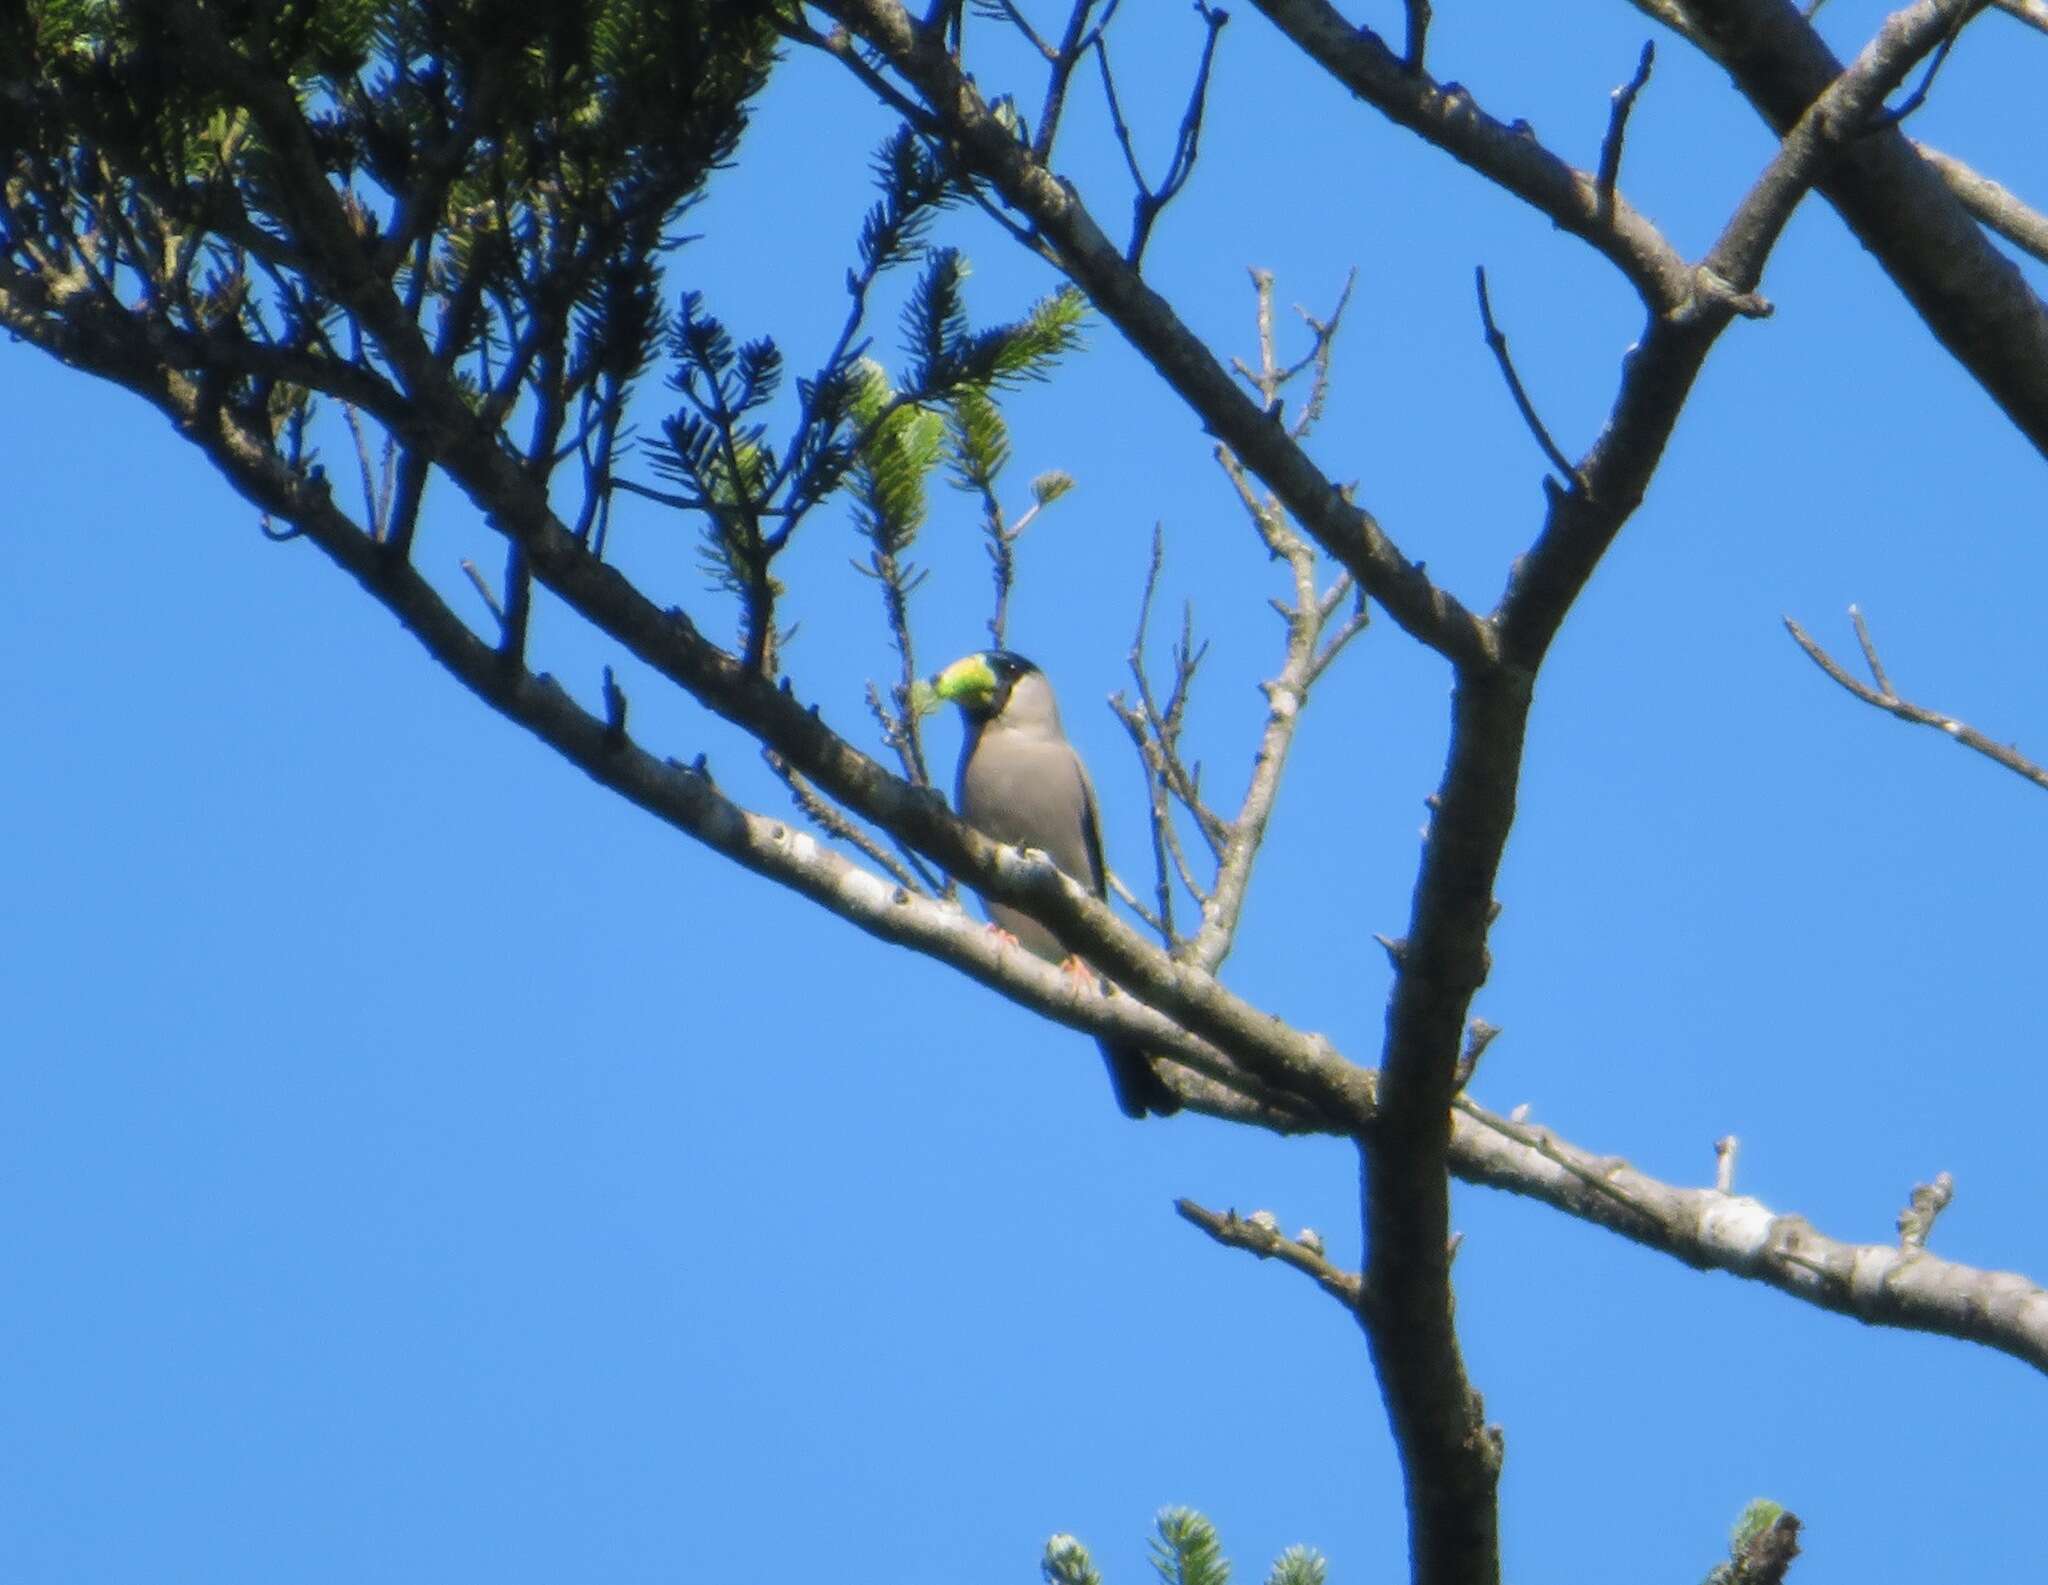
x=1874, y=1283
x=1258, y=1234
x=1150, y=202
x=1310, y=648
x=1418, y=34
x=2024, y=227
x=1928, y=1201
x=1582, y=521
x=1219, y=1053
x=1623, y=102
x=1880, y=1284
x=1307, y=620
x=1969, y=295
x=2031, y=12
x=1448, y=116
x=828, y=819
x=1450, y=1458
x=1149, y=322
x=1497, y=344
x=1883, y=698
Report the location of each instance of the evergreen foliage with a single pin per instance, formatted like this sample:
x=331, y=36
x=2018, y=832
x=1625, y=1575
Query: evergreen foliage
x=1185, y=1551
x=1762, y=1547
x=254, y=184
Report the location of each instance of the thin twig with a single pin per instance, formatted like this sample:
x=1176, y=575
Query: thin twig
x=1152, y=922
x=820, y=812
x=1418, y=34
x=1928, y=1201
x=1892, y=117
x=1869, y=648
x=1725, y=1150
x=1163, y=723
x=1258, y=1234
x=614, y=711
x=1149, y=202
x=1498, y=343
x=1354, y=624
x=1478, y=1036
x=1018, y=20
x=1323, y=333
x=1159, y=817
x=1063, y=60
x=373, y=518
x=1623, y=101
x=484, y=589
x=518, y=600
x=1884, y=699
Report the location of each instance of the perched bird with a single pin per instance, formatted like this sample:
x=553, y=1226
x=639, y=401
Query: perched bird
x=1021, y=782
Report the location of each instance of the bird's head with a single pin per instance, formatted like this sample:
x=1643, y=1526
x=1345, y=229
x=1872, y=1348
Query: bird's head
x=981, y=683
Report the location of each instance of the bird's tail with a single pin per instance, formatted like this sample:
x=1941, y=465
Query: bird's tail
x=1139, y=1088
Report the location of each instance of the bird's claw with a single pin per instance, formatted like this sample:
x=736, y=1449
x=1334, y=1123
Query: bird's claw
x=1080, y=973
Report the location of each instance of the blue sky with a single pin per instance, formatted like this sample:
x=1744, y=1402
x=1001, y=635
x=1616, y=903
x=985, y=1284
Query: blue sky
x=418, y=1165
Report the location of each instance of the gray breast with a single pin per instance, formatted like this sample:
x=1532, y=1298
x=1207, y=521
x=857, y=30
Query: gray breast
x=1031, y=792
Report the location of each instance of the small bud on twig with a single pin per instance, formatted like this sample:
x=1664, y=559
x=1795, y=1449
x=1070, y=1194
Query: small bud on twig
x=1724, y=1162
x=1929, y=1200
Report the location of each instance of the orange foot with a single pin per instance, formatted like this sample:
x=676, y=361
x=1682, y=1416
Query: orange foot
x=1003, y=937
x=1080, y=973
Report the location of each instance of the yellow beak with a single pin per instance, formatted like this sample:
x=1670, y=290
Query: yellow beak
x=968, y=681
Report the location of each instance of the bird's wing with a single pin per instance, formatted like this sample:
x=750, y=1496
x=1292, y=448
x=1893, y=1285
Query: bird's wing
x=1097, y=878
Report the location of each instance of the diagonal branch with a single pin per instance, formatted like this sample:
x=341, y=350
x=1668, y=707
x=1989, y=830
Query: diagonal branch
x=1497, y=344
x=1259, y=1235
x=686, y=798
x=2032, y=12
x=1450, y=1457
x=2002, y=211
x=1973, y=298
x=1149, y=322
x=437, y=416
x=1506, y=154
x=1879, y=1284
x=1884, y=698
x=1582, y=522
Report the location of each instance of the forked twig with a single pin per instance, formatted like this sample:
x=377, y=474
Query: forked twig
x=821, y=813
x=1884, y=698
x=1260, y=1235
x=1928, y=1201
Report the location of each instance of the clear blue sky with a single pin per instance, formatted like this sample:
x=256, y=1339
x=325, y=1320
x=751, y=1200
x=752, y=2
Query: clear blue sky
x=416, y=1165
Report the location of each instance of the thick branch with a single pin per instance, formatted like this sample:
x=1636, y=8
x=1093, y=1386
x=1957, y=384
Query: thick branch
x=1970, y=295
x=687, y=799
x=1506, y=155
x=2004, y=212
x=2032, y=12
x=1880, y=1284
x=1149, y=322
x=1450, y=1457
